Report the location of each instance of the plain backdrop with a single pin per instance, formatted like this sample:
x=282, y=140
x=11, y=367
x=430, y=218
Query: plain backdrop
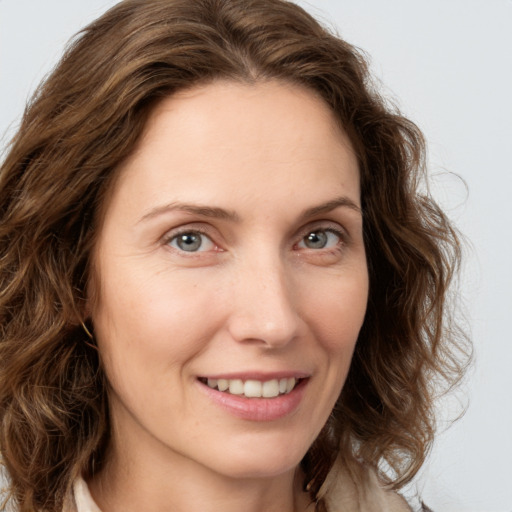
x=448, y=65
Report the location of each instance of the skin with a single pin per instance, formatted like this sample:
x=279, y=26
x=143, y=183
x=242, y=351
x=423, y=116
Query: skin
x=257, y=296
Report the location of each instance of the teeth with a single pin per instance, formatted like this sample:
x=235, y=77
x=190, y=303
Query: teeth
x=236, y=387
x=223, y=384
x=270, y=388
x=254, y=388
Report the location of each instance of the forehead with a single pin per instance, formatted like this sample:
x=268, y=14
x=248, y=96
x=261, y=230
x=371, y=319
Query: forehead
x=223, y=140
x=228, y=97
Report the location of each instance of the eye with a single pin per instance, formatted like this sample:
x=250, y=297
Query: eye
x=320, y=239
x=191, y=241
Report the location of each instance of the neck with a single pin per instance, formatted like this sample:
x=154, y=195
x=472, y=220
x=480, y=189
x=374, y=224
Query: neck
x=168, y=482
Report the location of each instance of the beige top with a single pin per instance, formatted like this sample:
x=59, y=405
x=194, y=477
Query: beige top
x=339, y=492
x=81, y=500
x=342, y=495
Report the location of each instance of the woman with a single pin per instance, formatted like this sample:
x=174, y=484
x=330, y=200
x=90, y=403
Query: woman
x=219, y=283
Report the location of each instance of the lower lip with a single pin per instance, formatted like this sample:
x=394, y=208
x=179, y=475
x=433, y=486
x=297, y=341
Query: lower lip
x=257, y=409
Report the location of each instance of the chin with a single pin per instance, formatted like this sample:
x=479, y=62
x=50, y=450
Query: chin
x=265, y=459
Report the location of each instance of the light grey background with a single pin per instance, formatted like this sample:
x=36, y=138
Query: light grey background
x=448, y=63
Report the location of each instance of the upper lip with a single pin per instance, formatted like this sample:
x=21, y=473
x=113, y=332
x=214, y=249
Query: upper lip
x=257, y=375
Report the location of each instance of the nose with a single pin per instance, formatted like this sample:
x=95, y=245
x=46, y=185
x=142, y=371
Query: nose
x=263, y=308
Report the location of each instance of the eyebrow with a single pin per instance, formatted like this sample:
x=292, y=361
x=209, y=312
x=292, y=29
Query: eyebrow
x=203, y=211
x=329, y=206
x=223, y=214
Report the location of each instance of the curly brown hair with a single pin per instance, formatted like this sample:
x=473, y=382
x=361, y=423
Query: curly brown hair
x=87, y=117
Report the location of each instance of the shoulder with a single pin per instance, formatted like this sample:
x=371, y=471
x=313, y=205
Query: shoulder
x=342, y=494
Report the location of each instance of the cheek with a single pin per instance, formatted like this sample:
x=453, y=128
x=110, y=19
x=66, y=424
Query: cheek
x=336, y=314
x=149, y=321
x=337, y=310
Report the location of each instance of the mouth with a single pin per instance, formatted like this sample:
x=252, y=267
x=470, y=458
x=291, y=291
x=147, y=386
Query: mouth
x=251, y=388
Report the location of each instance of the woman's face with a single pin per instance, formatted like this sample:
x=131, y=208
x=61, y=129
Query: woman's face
x=231, y=256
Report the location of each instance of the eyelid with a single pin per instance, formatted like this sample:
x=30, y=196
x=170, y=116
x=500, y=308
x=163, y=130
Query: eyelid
x=200, y=229
x=209, y=232
x=325, y=225
x=331, y=250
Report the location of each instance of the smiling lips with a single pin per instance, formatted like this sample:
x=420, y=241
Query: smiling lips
x=253, y=388
x=256, y=399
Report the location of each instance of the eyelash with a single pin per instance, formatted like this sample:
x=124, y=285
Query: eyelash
x=194, y=231
x=329, y=230
x=339, y=233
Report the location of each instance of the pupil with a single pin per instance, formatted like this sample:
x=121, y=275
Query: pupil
x=189, y=242
x=316, y=240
